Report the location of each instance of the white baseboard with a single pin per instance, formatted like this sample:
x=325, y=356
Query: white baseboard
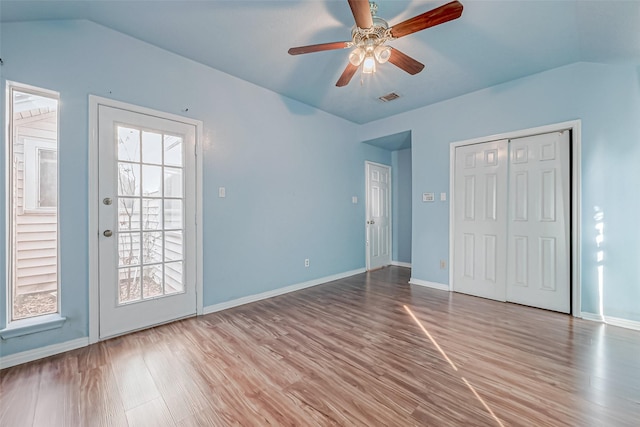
x=591, y=316
x=434, y=285
x=42, y=352
x=613, y=321
x=280, y=291
x=401, y=264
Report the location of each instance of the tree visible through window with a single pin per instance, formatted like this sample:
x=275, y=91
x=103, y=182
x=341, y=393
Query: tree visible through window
x=33, y=203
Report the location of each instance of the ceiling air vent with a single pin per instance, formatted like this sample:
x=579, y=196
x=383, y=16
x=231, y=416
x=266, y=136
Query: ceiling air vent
x=389, y=97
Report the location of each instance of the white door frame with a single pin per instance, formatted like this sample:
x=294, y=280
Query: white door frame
x=366, y=200
x=576, y=196
x=94, y=303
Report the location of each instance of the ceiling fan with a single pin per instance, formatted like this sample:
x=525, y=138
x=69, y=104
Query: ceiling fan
x=371, y=33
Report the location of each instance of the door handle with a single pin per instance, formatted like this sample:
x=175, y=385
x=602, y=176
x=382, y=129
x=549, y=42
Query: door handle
x=107, y=233
x=107, y=201
x=373, y=222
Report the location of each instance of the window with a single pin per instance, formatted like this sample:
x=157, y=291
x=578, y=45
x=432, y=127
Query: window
x=33, y=285
x=40, y=175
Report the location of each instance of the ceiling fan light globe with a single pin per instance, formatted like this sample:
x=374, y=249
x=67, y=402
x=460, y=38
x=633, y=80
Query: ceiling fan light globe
x=356, y=56
x=382, y=54
x=369, y=65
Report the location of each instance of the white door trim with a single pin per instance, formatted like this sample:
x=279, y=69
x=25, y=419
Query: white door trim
x=94, y=303
x=366, y=210
x=576, y=196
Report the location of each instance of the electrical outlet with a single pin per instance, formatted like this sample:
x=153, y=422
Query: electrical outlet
x=443, y=264
x=306, y=262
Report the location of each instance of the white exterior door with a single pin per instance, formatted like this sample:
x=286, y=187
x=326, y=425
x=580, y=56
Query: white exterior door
x=378, y=215
x=539, y=211
x=480, y=219
x=146, y=217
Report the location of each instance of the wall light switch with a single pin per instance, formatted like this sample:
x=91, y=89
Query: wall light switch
x=354, y=200
x=222, y=192
x=443, y=197
x=428, y=197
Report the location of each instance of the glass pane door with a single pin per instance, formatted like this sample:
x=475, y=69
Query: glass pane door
x=147, y=220
x=150, y=214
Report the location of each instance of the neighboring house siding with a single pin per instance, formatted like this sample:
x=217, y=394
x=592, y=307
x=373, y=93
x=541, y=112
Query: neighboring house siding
x=35, y=232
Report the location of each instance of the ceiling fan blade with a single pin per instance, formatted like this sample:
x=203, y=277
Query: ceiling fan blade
x=318, y=47
x=405, y=62
x=347, y=74
x=361, y=13
x=437, y=16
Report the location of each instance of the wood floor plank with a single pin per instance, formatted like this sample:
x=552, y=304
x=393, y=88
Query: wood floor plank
x=153, y=413
x=178, y=384
x=94, y=356
x=100, y=403
x=134, y=381
x=208, y=417
x=58, y=393
x=19, y=394
x=343, y=353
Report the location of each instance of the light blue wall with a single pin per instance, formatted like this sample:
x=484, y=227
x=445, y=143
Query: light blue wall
x=607, y=100
x=289, y=170
x=401, y=215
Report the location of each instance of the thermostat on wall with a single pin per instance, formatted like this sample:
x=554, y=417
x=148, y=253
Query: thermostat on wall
x=428, y=197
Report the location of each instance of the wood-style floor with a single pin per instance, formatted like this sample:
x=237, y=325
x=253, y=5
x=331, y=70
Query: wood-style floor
x=369, y=350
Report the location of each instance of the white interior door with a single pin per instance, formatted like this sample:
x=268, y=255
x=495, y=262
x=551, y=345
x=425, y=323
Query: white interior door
x=538, y=238
x=146, y=216
x=480, y=219
x=378, y=215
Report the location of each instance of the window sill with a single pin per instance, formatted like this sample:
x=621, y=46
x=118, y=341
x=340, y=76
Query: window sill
x=33, y=325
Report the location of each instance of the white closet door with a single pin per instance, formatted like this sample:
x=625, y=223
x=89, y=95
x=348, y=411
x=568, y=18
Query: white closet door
x=538, y=235
x=480, y=219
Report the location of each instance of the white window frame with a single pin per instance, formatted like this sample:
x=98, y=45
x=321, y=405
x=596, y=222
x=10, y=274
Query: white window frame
x=15, y=328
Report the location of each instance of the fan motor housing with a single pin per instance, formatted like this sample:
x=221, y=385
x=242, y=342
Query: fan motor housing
x=378, y=32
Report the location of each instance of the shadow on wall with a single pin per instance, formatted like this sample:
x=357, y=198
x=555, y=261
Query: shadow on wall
x=397, y=141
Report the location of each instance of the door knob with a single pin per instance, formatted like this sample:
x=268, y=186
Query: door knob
x=373, y=222
x=107, y=233
x=107, y=201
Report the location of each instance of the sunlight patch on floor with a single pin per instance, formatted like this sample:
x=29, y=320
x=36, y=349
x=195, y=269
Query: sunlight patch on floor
x=455, y=368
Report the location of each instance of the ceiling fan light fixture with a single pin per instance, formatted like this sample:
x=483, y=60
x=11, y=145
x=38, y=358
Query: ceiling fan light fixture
x=356, y=56
x=370, y=34
x=382, y=53
x=369, y=64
